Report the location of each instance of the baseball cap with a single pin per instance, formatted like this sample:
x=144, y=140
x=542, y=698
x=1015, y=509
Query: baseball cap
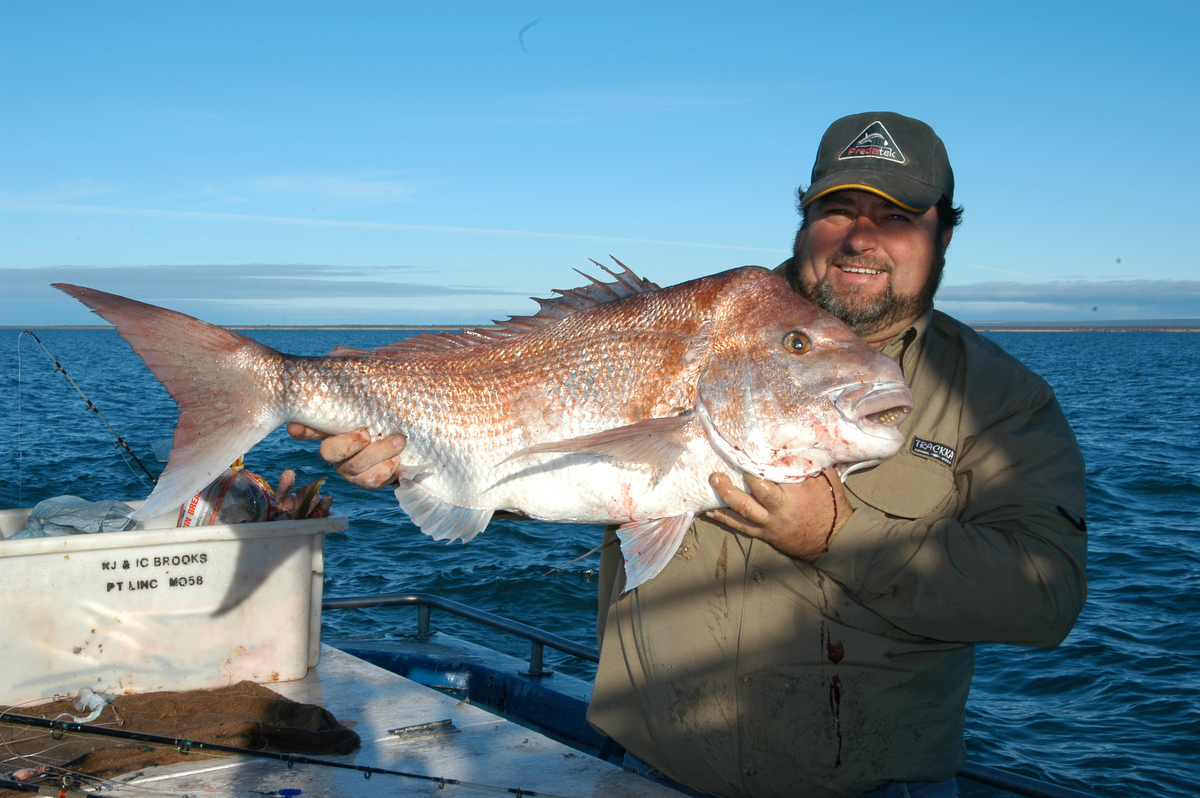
x=899, y=158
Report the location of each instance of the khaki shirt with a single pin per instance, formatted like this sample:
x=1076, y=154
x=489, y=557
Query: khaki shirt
x=742, y=672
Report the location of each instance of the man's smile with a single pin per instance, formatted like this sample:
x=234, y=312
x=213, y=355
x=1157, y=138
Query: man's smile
x=859, y=270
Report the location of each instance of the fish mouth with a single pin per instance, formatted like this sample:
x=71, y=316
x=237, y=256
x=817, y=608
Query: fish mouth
x=872, y=406
x=890, y=417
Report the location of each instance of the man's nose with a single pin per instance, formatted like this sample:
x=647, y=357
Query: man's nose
x=863, y=235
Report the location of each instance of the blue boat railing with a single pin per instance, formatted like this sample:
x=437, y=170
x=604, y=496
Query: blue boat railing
x=426, y=602
x=539, y=639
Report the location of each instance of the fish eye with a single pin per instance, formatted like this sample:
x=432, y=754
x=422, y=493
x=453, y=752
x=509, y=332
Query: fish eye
x=796, y=342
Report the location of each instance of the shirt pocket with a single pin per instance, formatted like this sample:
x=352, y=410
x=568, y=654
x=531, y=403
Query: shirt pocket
x=907, y=486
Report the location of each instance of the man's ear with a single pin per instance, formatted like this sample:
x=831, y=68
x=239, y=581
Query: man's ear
x=799, y=240
x=947, y=234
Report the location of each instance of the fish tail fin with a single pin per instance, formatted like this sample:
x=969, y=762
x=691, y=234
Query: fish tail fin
x=209, y=372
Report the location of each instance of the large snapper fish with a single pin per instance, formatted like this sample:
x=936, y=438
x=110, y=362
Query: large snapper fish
x=613, y=404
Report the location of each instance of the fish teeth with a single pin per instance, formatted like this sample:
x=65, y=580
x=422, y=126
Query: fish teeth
x=889, y=416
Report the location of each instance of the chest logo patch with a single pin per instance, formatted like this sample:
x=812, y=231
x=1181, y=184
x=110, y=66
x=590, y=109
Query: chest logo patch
x=934, y=451
x=873, y=142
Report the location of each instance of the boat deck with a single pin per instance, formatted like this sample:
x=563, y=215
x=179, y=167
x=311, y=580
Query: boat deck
x=487, y=750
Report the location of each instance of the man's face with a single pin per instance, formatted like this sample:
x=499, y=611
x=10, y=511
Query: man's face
x=869, y=262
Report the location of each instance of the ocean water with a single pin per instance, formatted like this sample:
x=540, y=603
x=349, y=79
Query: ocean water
x=1114, y=710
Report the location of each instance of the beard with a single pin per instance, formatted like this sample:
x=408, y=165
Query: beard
x=870, y=312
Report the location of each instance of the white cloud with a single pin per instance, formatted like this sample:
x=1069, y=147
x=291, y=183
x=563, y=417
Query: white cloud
x=1074, y=300
x=372, y=191
x=359, y=188
x=22, y=205
x=305, y=294
x=83, y=188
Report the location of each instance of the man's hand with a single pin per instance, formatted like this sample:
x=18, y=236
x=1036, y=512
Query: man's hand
x=362, y=463
x=798, y=519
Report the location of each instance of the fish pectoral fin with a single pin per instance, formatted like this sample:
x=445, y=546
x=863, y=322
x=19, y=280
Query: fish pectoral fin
x=656, y=442
x=846, y=469
x=649, y=545
x=438, y=519
x=414, y=472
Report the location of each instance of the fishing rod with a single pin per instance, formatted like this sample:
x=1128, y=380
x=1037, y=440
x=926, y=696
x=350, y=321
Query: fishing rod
x=59, y=367
x=42, y=789
x=186, y=746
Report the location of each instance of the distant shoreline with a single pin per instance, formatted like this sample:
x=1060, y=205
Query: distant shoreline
x=999, y=326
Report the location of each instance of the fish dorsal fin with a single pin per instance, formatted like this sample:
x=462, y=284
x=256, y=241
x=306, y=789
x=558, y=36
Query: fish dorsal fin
x=573, y=300
x=656, y=442
x=649, y=545
x=438, y=519
x=349, y=351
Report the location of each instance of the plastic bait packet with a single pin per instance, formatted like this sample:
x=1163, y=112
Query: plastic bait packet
x=71, y=515
x=239, y=496
x=236, y=497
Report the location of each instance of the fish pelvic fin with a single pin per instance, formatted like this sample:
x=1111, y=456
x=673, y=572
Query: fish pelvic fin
x=649, y=545
x=656, y=442
x=438, y=519
x=222, y=411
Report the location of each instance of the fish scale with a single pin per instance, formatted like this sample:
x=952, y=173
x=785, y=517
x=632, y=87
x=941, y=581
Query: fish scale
x=613, y=404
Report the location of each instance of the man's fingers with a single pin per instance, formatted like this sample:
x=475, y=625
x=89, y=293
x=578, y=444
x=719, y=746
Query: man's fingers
x=303, y=433
x=731, y=519
x=374, y=464
x=742, y=503
x=337, y=448
x=768, y=494
x=376, y=476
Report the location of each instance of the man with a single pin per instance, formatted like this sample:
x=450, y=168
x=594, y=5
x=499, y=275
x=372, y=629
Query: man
x=817, y=640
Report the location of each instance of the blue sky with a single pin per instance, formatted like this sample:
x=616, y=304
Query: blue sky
x=356, y=162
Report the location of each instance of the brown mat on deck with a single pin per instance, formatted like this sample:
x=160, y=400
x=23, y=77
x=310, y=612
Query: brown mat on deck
x=244, y=715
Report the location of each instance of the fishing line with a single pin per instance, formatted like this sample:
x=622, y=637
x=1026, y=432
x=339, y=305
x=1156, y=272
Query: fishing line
x=42, y=789
x=59, y=367
x=833, y=523
x=603, y=545
x=74, y=779
x=185, y=746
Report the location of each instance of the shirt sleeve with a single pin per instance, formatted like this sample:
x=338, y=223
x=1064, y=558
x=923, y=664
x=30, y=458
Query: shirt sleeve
x=1004, y=562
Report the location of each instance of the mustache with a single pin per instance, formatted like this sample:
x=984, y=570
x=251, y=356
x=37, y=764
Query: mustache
x=876, y=262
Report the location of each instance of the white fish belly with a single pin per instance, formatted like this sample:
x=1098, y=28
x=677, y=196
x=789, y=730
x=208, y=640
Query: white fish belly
x=582, y=488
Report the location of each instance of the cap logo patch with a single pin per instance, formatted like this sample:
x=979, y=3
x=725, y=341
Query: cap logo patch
x=874, y=142
x=934, y=451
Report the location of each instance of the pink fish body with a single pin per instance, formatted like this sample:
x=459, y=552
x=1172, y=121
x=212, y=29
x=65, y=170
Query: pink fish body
x=613, y=404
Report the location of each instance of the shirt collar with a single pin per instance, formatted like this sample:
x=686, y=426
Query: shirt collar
x=901, y=348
